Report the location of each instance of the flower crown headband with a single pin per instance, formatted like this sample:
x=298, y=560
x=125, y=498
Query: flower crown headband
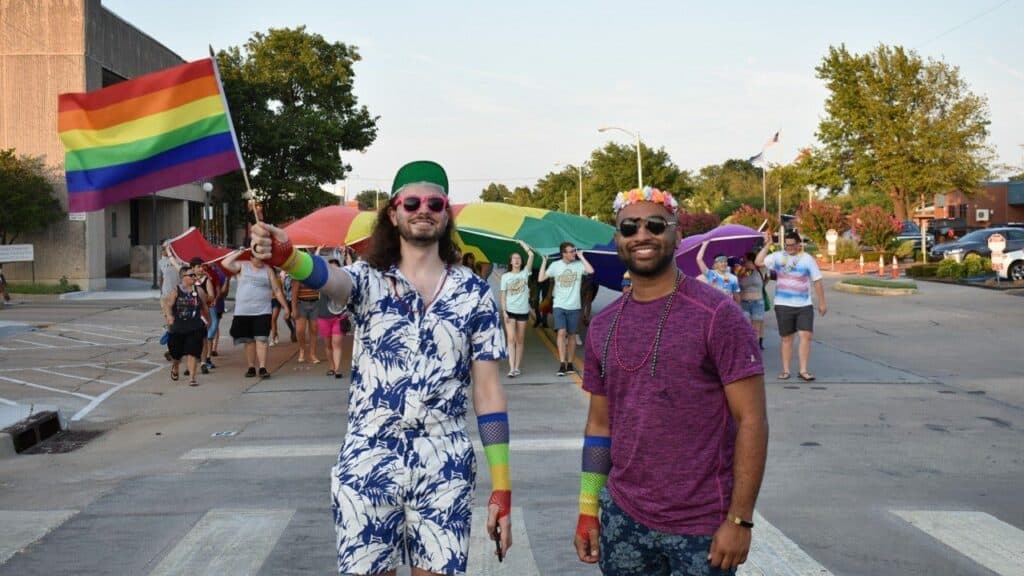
x=647, y=194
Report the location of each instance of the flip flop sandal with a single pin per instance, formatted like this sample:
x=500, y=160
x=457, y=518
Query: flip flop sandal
x=174, y=374
x=317, y=361
x=807, y=376
x=330, y=373
x=193, y=383
x=783, y=376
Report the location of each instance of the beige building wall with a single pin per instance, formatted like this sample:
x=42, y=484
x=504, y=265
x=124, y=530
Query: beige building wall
x=48, y=47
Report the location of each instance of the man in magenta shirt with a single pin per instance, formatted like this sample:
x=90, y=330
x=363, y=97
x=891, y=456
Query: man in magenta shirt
x=677, y=426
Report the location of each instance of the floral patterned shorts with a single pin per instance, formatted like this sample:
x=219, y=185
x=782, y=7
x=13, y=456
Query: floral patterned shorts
x=403, y=500
x=628, y=548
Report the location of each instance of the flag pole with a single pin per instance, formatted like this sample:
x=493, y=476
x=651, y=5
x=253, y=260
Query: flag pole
x=250, y=196
x=156, y=286
x=764, y=189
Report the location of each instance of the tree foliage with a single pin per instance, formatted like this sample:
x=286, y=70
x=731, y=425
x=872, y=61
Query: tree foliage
x=291, y=98
x=27, y=196
x=692, y=223
x=367, y=199
x=496, y=193
x=750, y=217
x=876, y=227
x=723, y=188
x=814, y=220
x=612, y=169
x=907, y=126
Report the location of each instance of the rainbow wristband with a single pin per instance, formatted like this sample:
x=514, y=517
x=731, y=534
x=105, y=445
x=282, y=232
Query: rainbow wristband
x=494, y=436
x=310, y=270
x=597, y=462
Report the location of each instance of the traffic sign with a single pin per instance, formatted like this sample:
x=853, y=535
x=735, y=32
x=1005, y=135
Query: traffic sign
x=997, y=243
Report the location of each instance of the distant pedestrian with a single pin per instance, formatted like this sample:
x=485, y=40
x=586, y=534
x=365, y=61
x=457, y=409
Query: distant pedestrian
x=795, y=272
x=257, y=284
x=568, y=275
x=219, y=308
x=752, y=293
x=184, y=311
x=204, y=280
x=719, y=275
x=331, y=328
x=304, y=313
x=515, y=305
x=627, y=283
x=677, y=432
x=170, y=277
x=285, y=281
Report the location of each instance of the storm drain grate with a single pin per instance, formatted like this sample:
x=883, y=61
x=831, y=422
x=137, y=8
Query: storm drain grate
x=64, y=442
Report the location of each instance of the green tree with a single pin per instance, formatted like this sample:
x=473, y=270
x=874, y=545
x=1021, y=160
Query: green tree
x=27, y=196
x=496, y=193
x=751, y=217
x=368, y=199
x=876, y=227
x=291, y=98
x=907, y=126
x=1017, y=177
x=814, y=220
x=723, y=188
x=612, y=169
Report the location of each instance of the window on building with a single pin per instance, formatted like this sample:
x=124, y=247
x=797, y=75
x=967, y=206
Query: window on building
x=963, y=211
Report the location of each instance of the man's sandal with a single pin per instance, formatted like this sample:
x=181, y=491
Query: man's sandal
x=807, y=376
x=783, y=376
x=174, y=374
x=193, y=383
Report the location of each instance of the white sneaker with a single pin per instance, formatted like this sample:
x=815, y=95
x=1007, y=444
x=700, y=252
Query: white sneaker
x=579, y=341
x=511, y=373
x=517, y=372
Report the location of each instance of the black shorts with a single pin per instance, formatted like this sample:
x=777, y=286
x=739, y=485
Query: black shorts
x=518, y=317
x=245, y=329
x=792, y=319
x=186, y=343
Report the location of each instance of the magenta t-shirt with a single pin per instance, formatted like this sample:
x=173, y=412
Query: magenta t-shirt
x=672, y=434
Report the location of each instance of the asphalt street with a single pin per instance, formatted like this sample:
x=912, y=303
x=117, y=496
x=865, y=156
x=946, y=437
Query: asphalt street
x=904, y=457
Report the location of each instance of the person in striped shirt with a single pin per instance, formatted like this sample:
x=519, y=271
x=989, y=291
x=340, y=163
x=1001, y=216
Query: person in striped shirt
x=795, y=271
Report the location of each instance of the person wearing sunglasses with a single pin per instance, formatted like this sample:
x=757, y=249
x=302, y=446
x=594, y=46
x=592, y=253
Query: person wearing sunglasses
x=567, y=274
x=427, y=337
x=184, y=311
x=719, y=275
x=795, y=271
x=676, y=436
x=515, y=302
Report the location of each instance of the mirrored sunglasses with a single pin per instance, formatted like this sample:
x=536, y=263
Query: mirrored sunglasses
x=411, y=202
x=655, y=225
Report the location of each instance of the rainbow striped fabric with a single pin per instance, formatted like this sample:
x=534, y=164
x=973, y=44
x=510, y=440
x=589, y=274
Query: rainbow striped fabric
x=146, y=134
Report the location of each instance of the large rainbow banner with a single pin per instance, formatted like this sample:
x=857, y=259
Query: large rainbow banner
x=146, y=134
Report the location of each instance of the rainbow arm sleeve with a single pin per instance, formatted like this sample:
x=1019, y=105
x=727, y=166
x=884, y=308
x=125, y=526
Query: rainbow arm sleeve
x=494, y=437
x=597, y=462
x=310, y=270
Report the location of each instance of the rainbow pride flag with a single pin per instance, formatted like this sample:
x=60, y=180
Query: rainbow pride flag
x=146, y=134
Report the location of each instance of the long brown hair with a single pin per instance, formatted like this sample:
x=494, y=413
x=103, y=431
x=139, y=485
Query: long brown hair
x=386, y=247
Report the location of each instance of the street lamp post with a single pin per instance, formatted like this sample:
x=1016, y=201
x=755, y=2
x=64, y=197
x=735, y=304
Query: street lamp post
x=579, y=172
x=207, y=188
x=639, y=162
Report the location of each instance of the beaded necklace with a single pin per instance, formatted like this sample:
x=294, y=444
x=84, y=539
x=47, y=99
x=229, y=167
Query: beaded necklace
x=613, y=329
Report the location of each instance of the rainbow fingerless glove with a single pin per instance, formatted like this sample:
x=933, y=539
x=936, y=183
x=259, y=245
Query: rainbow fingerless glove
x=494, y=437
x=597, y=462
x=305, y=268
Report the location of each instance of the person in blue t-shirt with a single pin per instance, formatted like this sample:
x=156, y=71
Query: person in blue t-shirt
x=719, y=275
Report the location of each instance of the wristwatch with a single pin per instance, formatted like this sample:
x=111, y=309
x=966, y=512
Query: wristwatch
x=739, y=521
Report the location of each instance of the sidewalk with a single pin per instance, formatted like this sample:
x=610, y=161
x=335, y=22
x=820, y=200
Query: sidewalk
x=118, y=289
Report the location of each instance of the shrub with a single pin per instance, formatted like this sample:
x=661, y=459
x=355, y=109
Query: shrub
x=847, y=250
x=923, y=270
x=950, y=268
x=876, y=227
x=877, y=283
x=814, y=220
x=905, y=249
x=697, y=223
x=29, y=288
x=975, y=265
x=750, y=217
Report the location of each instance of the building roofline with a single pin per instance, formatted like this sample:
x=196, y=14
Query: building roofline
x=141, y=31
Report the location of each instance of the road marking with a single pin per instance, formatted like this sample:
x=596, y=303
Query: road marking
x=68, y=329
x=76, y=340
x=483, y=561
x=226, y=541
x=138, y=329
x=111, y=368
x=772, y=554
x=107, y=394
x=19, y=529
x=73, y=377
x=36, y=344
x=41, y=387
x=241, y=452
x=8, y=402
x=981, y=537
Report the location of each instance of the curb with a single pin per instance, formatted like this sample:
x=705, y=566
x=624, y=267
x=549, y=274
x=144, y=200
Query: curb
x=25, y=434
x=6, y=446
x=873, y=291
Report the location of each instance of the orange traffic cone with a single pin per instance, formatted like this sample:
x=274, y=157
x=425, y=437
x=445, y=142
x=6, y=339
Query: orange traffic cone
x=881, y=266
x=861, y=264
x=895, y=267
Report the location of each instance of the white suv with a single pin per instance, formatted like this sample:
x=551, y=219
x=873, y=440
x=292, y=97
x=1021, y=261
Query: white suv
x=1013, y=265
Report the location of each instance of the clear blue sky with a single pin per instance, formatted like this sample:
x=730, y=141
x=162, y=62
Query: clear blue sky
x=501, y=91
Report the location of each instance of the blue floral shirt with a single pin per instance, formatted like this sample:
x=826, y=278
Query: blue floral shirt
x=411, y=364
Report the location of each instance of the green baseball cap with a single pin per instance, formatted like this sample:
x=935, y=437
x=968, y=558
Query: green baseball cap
x=420, y=171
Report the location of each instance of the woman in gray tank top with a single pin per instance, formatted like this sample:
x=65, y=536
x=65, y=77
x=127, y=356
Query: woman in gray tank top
x=257, y=284
x=752, y=280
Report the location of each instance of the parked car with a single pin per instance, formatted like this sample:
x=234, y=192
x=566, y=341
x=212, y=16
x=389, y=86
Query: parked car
x=911, y=231
x=977, y=243
x=1013, y=265
x=943, y=229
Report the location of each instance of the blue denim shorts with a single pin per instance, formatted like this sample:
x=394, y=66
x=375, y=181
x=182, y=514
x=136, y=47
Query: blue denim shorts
x=754, y=309
x=628, y=548
x=567, y=320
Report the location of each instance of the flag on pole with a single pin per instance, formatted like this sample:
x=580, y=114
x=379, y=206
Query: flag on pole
x=771, y=141
x=146, y=134
x=756, y=159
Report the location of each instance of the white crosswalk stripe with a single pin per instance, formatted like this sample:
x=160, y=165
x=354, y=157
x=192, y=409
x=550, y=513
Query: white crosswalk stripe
x=772, y=554
x=20, y=528
x=483, y=561
x=226, y=541
x=981, y=537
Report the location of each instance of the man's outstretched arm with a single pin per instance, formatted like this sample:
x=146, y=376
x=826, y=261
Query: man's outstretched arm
x=597, y=463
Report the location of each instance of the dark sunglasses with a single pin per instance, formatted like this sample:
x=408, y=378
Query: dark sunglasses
x=411, y=203
x=655, y=225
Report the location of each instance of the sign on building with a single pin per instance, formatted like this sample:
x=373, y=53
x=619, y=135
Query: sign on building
x=17, y=253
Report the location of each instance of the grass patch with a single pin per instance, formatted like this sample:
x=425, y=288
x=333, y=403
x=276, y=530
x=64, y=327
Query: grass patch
x=30, y=288
x=877, y=283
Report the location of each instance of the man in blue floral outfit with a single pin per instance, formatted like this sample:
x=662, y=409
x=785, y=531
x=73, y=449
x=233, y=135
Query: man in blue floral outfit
x=425, y=328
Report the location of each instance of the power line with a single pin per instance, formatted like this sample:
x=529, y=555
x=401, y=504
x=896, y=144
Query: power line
x=966, y=22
